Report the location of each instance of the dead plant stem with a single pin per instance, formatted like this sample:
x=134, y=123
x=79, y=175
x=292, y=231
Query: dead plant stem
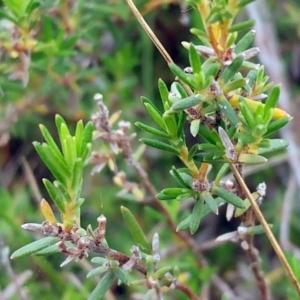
x=267, y=229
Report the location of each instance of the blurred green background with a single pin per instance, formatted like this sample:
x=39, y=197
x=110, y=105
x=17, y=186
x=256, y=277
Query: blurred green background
x=58, y=57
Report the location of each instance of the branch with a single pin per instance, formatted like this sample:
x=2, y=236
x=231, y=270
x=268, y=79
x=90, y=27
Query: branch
x=267, y=229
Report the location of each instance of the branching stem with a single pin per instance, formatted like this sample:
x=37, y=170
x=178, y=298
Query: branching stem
x=267, y=229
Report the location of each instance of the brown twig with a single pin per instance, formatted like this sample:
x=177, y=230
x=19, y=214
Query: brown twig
x=267, y=229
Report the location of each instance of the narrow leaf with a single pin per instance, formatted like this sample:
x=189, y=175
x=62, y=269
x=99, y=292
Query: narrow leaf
x=210, y=201
x=227, y=110
x=272, y=99
x=196, y=216
x=50, y=141
x=276, y=125
x=275, y=145
x=186, y=103
x=103, y=286
x=156, y=116
x=231, y=70
x=35, y=246
x=228, y=197
x=247, y=113
x=179, y=73
x=63, y=191
x=164, y=93
x=55, y=195
x=172, y=191
x=135, y=230
x=159, y=145
x=121, y=275
x=246, y=25
x=194, y=59
x=77, y=174
x=53, y=249
x=162, y=196
x=251, y=158
x=180, y=124
x=152, y=130
x=97, y=271
x=58, y=170
x=78, y=137
x=87, y=137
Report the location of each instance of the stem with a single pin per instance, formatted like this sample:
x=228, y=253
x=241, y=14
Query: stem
x=150, y=33
x=267, y=229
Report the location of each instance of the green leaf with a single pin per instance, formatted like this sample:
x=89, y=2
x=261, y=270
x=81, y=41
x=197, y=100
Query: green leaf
x=135, y=230
x=196, y=216
x=97, y=271
x=99, y=260
x=210, y=201
x=87, y=137
x=234, y=85
x=179, y=90
x=251, y=158
x=164, y=197
x=161, y=272
x=50, y=141
x=245, y=41
x=69, y=149
x=55, y=195
x=246, y=25
x=32, y=5
x=121, y=275
x=184, y=224
x=164, y=93
x=59, y=171
x=240, y=211
x=231, y=70
x=178, y=178
x=86, y=153
x=173, y=191
x=194, y=59
x=272, y=99
x=247, y=113
x=77, y=174
x=275, y=145
x=228, y=197
x=17, y=7
x=78, y=137
x=258, y=229
x=179, y=73
x=187, y=103
x=5, y=15
x=222, y=172
x=156, y=116
x=159, y=145
x=152, y=130
x=276, y=125
x=243, y=3
x=53, y=249
x=35, y=246
x=103, y=286
x=227, y=110
x=59, y=121
x=170, y=125
x=180, y=124
x=210, y=136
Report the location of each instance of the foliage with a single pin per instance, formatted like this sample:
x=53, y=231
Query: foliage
x=230, y=109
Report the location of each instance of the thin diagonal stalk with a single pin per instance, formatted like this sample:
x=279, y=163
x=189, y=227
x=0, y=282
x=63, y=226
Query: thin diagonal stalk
x=267, y=229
